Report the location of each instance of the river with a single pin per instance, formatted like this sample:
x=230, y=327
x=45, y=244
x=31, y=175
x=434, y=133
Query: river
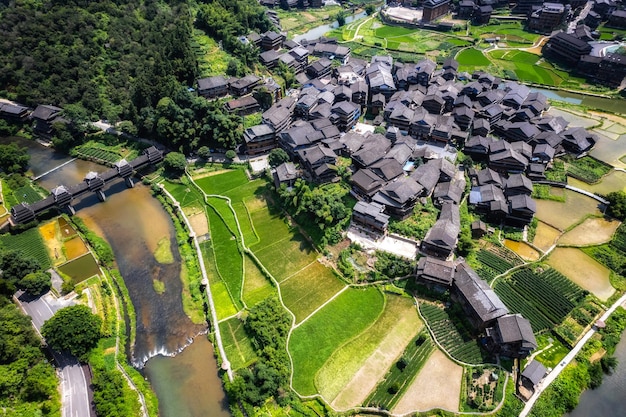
x=318, y=31
x=608, y=399
x=133, y=222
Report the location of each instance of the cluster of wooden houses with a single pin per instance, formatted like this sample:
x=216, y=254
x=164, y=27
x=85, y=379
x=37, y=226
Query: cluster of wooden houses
x=43, y=117
x=427, y=114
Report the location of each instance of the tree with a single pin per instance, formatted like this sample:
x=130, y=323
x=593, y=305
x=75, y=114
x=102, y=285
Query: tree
x=175, y=163
x=370, y=9
x=617, y=204
x=35, y=283
x=277, y=156
x=341, y=18
x=13, y=158
x=73, y=329
x=230, y=154
x=204, y=152
x=14, y=265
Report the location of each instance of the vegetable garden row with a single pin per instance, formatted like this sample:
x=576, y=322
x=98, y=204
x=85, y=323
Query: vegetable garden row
x=98, y=154
x=30, y=243
x=401, y=374
x=464, y=348
x=544, y=298
x=491, y=265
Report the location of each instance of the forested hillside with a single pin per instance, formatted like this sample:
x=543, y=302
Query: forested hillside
x=112, y=57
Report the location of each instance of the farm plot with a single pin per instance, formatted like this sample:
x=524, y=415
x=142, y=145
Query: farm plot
x=219, y=184
x=285, y=257
x=97, y=154
x=495, y=261
x=438, y=385
x=593, y=231
x=545, y=298
x=224, y=306
x=471, y=57
x=256, y=287
x=187, y=195
x=237, y=344
x=312, y=343
x=401, y=374
x=461, y=346
x=309, y=288
x=27, y=194
x=30, y=243
x=354, y=369
x=583, y=270
x=228, y=258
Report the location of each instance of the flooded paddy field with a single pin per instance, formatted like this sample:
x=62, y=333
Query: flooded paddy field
x=546, y=236
x=524, y=250
x=564, y=215
x=583, y=270
x=593, y=231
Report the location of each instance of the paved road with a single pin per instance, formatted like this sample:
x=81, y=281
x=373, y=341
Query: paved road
x=571, y=27
x=568, y=358
x=74, y=386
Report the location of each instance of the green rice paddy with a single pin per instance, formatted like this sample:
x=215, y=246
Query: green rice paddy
x=344, y=318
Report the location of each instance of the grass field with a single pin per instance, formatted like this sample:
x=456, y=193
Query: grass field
x=237, y=345
x=219, y=184
x=256, y=287
x=286, y=256
x=27, y=194
x=309, y=288
x=228, y=258
x=354, y=369
x=30, y=243
x=315, y=340
x=471, y=58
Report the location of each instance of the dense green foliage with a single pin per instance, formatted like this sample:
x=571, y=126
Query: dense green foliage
x=226, y=20
x=277, y=156
x=587, y=169
x=112, y=58
x=390, y=266
x=14, y=265
x=175, y=163
x=28, y=383
x=268, y=324
x=617, y=204
x=35, y=283
x=421, y=220
x=323, y=210
x=13, y=158
x=73, y=329
x=112, y=397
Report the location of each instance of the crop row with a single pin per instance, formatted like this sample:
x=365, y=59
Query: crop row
x=30, y=243
x=518, y=304
x=556, y=282
x=401, y=374
x=505, y=254
x=100, y=154
x=462, y=348
x=553, y=305
x=493, y=261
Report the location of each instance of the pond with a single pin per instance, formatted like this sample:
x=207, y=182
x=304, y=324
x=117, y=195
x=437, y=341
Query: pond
x=583, y=270
x=81, y=268
x=608, y=399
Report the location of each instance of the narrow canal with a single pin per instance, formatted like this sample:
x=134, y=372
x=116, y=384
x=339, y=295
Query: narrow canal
x=185, y=379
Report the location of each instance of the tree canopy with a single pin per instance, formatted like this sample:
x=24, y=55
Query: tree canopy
x=617, y=204
x=73, y=329
x=13, y=159
x=14, y=265
x=35, y=283
x=277, y=156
